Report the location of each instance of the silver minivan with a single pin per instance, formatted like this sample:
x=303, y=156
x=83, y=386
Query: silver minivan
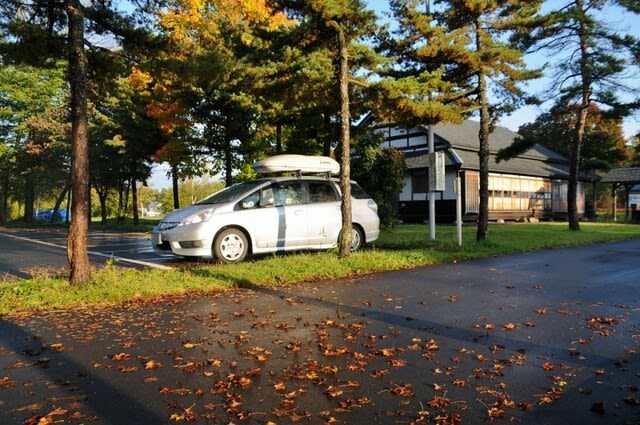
x=266, y=215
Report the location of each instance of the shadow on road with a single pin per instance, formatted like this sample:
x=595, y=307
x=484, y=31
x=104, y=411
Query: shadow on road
x=71, y=382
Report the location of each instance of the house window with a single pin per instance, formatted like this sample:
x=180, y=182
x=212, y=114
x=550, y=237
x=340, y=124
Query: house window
x=419, y=183
x=472, y=192
x=516, y=193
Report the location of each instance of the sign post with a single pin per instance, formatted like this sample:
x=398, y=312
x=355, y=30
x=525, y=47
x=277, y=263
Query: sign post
x=436, y=172
x=458, y=190
x=436, y=184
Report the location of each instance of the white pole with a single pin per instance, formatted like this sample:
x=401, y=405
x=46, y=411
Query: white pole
x=430, y=144
x=459, y=210
x=432, y=197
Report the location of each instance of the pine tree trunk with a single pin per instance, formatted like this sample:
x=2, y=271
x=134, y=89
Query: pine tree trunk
x=483, y=151
x=576, y=144
x=4, y=199
x=345, y=168
x=102, y=196
x=77, y=254
x=29, y=198
x=59, y=202
x=134, y=201
x=174, y=187
x=574, y=170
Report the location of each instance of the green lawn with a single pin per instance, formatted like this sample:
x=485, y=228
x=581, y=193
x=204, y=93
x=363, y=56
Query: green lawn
x=404, y=246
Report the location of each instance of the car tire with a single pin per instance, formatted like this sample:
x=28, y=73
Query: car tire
x=357, y=238
x=230, y=246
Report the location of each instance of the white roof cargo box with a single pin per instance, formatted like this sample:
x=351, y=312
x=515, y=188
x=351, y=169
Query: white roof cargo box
x=303, y=164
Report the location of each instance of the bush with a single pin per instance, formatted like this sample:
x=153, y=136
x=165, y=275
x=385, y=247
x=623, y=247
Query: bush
x=381, y=173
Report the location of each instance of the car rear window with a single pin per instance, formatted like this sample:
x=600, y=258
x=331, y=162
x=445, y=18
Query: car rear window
x=358, y=192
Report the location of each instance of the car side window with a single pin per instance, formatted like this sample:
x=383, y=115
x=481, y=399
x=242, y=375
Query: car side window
x=322, y=192
x=251, y=201
x=290, y=193
x=267, y=198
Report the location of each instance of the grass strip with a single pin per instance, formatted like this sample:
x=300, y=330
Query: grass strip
x=404, y=246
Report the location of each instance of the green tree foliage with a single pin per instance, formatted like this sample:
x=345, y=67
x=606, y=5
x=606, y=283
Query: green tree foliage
x=208, y=75
x=421, y=79
x=604, y=143
x=381, y=173
x=33, y=132
x=592, y=66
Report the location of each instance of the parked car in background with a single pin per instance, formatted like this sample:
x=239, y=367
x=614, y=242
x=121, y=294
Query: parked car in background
x=269, y=214
x=45, y=214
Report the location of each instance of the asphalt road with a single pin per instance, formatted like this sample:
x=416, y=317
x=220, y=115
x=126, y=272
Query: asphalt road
x=548, y=337
x=26, y=253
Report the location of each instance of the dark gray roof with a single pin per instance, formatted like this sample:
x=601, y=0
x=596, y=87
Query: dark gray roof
x=525, y=166
x=622, y=175
x=465, y=135
x=461, y=144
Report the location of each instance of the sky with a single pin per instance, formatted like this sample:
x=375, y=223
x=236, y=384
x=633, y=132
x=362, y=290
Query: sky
x=614, y=16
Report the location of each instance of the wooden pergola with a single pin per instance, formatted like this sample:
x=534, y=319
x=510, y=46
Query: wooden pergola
x=622, y=177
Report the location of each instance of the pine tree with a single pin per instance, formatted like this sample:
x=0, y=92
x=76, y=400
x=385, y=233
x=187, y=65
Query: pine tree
x=492, y=66
x=592, y=63
x=454, y=61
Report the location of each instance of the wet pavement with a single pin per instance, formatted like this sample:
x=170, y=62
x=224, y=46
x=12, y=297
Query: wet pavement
x=27, y=253
x=548, y=337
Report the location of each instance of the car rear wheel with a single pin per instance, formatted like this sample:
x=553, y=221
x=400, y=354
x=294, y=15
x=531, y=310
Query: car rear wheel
x=230, y=246
x=357, y=237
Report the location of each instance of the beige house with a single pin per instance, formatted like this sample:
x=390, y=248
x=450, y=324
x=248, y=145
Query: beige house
x=532, y=184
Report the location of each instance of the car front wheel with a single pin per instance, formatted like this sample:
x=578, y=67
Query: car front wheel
x=230, y=246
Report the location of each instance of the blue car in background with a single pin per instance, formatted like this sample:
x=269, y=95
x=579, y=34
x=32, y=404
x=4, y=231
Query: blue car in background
x=45, y=215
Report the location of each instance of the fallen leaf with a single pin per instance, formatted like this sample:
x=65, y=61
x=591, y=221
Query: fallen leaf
x=548, y=366
x=153, y=364
x=121, y=357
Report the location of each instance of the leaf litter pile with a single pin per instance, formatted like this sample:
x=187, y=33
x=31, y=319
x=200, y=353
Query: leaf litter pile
x=317, y=355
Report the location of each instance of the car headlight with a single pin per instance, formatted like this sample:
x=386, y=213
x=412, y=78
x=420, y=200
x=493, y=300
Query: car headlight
x=199, y=217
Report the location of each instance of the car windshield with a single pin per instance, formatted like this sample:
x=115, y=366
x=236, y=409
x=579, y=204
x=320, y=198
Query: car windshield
x=231, y=193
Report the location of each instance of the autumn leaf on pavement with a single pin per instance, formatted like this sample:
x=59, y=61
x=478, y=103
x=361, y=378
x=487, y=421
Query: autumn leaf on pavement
x=153, y=364
x=119, y=357
x=6, y=382
x=187, y=416
x=379, y=373
x=459, y=383
x=432, y=345
x=548, y=366
x=439, y=402
x=495, y=412
x=403, y=390
x=57, y=346
x=494, y=348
